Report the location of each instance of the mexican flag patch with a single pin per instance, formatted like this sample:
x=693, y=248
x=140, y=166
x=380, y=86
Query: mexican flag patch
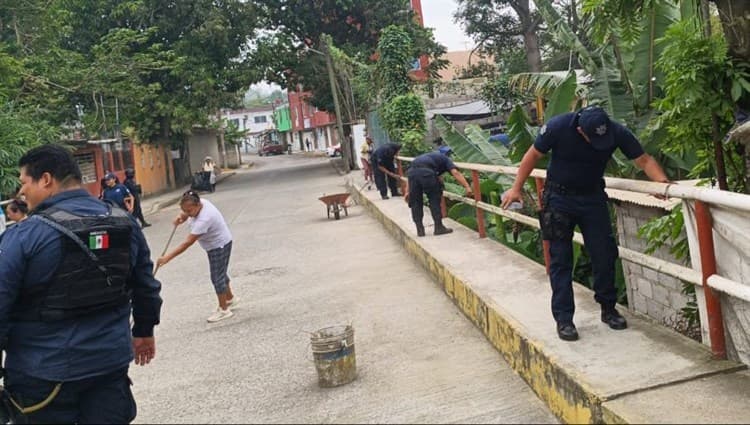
x=98, y=240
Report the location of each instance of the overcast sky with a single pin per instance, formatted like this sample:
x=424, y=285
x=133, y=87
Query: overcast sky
x=438, y=14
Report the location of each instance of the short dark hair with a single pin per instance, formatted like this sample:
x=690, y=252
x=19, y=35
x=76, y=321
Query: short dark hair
x=53, y=159
x=19, y=205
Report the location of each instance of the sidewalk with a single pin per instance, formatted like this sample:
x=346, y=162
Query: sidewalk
x=645, y=374
x=153, y=204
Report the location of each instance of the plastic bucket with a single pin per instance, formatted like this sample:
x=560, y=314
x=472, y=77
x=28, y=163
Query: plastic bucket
x=333, y=353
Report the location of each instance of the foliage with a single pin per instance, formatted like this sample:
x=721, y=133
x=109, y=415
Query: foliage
x=412, y=143
x=18, y=135
x=497, y=93
x=355, y=26
x=504, y=29
x=392, y=69
x=700, y=79
x=168, y=66
x=403, y=117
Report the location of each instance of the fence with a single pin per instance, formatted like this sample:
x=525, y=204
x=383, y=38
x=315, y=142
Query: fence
x=707, y=278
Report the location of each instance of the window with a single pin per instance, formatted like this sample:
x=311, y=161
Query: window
x=88, y=167
x=260, y=119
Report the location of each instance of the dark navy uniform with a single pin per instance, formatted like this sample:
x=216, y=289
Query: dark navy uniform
x=116, y=194
x=574, y=196
x=423, y=176
x=64, y=318
x=385, y=156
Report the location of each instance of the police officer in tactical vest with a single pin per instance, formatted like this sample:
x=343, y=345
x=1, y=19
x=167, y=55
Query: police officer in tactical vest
x=424, y=179
x=581, y=143
x=70, y=276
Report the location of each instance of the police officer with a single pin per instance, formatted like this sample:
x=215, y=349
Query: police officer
x=70, y=275
x=132, y=187
x=424, y=178
x=581, y=143
x=117, y=193
x=383, y=168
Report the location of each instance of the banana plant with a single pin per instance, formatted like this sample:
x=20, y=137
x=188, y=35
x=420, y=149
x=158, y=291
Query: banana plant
x=474, y=147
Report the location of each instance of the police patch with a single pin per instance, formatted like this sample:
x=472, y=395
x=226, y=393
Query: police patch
x=543, y=129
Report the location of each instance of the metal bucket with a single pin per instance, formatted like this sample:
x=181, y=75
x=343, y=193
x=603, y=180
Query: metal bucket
x=333, y=353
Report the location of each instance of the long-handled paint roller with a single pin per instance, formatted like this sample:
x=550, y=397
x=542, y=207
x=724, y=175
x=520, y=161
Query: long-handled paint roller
x=174, y=228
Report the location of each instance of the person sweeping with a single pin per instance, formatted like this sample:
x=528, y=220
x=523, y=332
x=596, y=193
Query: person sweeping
x=208, y=227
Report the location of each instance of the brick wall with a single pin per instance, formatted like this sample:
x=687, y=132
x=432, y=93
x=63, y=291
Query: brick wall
x=649, y=292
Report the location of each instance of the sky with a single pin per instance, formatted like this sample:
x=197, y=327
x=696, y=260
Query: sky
x=438, y=14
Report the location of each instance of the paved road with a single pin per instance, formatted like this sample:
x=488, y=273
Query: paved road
x=419, y=359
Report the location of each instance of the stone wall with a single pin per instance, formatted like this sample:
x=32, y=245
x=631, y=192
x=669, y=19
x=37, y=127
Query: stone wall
x=654, y=294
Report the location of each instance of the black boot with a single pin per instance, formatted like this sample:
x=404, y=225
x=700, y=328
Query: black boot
x=442, y=230
x=420, y=229
x=567, y=331
x=612, y=317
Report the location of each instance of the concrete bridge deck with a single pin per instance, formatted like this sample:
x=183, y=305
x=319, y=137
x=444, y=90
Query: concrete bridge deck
x=645, y=374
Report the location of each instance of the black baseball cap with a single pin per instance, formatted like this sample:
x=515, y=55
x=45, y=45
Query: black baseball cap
x=595, y=122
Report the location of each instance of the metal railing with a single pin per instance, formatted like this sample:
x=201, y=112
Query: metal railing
x=707, y=277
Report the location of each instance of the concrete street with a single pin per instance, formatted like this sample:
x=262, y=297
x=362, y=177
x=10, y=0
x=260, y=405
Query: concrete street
x=419, y=359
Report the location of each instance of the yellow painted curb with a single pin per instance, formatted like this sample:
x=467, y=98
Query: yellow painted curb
x=567, y=397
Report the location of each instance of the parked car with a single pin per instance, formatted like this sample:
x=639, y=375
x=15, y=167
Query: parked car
x=334, y=150
x=271, y=149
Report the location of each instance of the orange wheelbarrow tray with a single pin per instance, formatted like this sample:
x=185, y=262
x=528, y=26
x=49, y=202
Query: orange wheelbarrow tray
x=335, y=203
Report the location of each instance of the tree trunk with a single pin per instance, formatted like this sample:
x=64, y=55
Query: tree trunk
x=735, y=19
x=721, y=169
x=533, y=55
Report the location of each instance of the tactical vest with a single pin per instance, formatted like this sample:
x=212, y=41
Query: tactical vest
x=90, y=278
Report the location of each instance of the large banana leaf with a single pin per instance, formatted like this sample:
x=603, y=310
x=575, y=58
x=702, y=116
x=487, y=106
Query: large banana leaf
x=496, y=153
x=464, y=150
x=639, y=59
x=543, y=84
x=563, y=98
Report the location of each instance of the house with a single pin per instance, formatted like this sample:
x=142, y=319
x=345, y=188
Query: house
x=252, y=121
x=310, y=124
x=151, y=162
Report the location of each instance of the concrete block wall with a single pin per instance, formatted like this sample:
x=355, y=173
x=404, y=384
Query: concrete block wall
x=654, y=294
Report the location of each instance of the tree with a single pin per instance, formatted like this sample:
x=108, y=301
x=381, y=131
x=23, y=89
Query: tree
x=354, y=27
x=497, y=30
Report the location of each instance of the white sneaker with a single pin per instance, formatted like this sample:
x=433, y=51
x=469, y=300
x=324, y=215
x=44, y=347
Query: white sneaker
x=233, y=302
x=220, y=315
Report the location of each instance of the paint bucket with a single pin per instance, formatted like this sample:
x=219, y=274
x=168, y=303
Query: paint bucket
x=333, y=353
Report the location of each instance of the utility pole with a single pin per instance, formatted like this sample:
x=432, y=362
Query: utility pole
x=339, y=125
x=223, y=145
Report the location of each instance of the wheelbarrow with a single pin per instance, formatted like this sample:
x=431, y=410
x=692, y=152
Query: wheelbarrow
x=335, y=203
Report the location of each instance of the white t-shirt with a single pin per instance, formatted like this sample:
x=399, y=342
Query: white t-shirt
x=210, y=227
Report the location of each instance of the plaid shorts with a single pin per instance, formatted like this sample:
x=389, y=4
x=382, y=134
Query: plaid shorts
x=218, y=261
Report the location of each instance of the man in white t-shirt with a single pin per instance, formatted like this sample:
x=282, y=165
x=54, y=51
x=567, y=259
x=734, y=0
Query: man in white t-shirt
x=207, y=226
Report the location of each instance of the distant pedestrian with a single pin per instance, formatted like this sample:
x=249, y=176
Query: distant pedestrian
x=307, y=143
x=135, y=190
x=424, y=179
x=117, y=193
x=365, y=153
x=209, y=172
x=383, y=168
x=207, y=226
x=17, y=210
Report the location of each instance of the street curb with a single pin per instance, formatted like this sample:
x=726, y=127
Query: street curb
x=562, y=388
x=174, y=198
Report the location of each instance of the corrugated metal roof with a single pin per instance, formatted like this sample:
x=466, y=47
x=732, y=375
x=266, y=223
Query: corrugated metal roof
x=646, y=200
x=471, y=108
